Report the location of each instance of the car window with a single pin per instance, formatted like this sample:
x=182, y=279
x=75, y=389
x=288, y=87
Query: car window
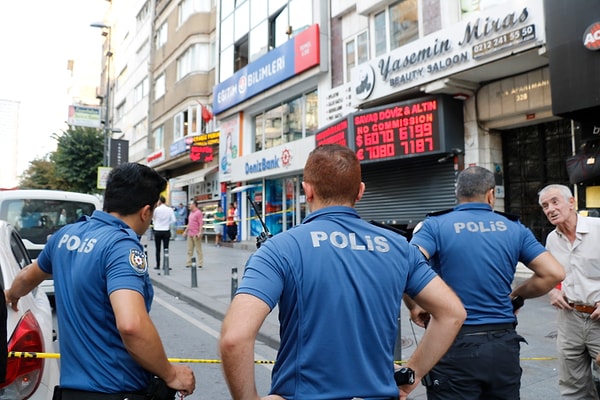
x=19, y=250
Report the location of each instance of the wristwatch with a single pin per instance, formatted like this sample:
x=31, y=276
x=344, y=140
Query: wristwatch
x=404, y=376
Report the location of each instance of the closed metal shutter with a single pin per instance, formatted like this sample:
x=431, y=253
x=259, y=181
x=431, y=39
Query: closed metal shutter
x=402, y=192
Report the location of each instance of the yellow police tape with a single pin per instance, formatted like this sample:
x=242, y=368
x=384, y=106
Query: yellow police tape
x=29, y=354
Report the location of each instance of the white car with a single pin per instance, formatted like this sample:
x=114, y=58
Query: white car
x=28, y=330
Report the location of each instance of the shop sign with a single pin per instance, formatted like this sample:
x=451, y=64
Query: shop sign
x=156, y=157
x=278, y=65
x=591, y=37
x=477, y=40
x=287, y=158
x=411, y=128
x=334, y=133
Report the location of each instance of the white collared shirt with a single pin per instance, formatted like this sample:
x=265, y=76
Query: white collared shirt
x=581, y=260
x=163, y=217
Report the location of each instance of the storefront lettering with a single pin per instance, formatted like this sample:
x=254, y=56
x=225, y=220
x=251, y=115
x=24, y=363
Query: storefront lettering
x=479, y=30
x=387, y=66
x=262, y=165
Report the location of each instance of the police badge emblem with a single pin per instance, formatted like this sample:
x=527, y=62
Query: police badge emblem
x=137, y=259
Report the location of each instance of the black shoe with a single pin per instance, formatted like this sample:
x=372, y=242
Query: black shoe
x=187, y=266
x=156, y=267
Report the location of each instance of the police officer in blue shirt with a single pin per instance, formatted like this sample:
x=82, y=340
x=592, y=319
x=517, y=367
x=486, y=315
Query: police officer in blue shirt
x=338, y=281
x=110, y=348
x=475, y=251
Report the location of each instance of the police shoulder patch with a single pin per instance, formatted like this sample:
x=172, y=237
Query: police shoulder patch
x=137, y=260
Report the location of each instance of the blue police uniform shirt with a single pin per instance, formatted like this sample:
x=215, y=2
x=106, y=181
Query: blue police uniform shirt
x=89, y=260
x=475, y=251
x=338, y=281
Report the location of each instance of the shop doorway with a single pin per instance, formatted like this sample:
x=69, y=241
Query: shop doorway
x=534, y=156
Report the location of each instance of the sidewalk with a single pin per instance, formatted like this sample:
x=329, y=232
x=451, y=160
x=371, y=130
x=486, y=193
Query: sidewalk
x=537, y=320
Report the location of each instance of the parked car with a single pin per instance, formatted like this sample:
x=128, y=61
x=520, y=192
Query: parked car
x=28, y=330
x=37, y=214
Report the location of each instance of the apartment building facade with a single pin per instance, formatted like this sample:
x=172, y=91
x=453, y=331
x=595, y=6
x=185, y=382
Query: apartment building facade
x=241, y=91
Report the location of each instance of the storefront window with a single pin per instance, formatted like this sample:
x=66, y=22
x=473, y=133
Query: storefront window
x=293, y=121
x=273, y=205
x=259, y=132
x=312, y=113
x=272, y=130
x=287, y=122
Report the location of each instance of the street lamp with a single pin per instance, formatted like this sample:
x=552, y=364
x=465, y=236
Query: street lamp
x=105, y=100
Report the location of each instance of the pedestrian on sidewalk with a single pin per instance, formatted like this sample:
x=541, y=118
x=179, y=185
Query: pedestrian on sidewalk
x=109, y=346
x=476, y=251
x=193, y=231
x=219, y=220
x=162, y=219
x=575, y=242
x=335, y=261
x=231, y=222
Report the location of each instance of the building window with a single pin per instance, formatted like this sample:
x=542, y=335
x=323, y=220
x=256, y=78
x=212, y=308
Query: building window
x=143, y=14
x=195, y=59
x=251, y=28
x=241, y=53
x=187, y=8
x=161, y=36
x=357, y=52
x=158, y=136
x=140, y=91
x=404, y=23
x=187, y=122
x=396, y=26
x=287, y=122
x=120, y=111
x=160, y=87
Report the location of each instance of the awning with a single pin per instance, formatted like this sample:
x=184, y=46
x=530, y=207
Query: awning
x=242, y=188
x=192, y=178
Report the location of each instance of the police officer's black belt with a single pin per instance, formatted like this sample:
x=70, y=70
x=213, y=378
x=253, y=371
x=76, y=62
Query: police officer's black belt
x=72, y=394
x=487, y=328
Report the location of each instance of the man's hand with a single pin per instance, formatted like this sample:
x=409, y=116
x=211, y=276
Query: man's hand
x=183, y=381
x=11, y=300
x=558, y=300
x=419, y=316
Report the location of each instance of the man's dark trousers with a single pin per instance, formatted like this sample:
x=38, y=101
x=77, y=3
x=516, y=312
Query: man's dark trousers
x=161, y=237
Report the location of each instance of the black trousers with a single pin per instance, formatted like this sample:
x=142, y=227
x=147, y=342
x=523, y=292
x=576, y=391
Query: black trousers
x=161, y=237
x=479, y=365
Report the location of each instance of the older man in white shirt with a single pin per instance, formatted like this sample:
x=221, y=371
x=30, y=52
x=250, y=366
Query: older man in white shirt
x=576, y=245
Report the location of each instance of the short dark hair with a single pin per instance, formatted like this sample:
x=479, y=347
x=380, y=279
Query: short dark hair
x=474, y=182
x=130, y=187
x=334, y=172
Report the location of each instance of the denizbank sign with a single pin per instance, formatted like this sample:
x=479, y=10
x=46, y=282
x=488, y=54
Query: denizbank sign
x=284, y=159
x=511, y=27
x=278, y=65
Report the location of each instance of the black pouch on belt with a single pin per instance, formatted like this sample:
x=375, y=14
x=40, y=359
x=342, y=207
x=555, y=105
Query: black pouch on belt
x=158, y=390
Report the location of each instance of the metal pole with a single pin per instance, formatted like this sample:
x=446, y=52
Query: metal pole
x=234, y=281
x=165, y=261
x=194, y=275
x=398, y=345
x=107, y=102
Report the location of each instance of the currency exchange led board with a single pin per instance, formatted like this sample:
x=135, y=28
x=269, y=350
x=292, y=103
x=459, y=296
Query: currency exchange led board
x=410, y=128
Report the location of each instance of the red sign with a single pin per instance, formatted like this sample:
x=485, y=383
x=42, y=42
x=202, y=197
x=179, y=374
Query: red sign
x=306, y=49
x=202, y=154
x=398, y=130
x=591, y=37
x=336, y=133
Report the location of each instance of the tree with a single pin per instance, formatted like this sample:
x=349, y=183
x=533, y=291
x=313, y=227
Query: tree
x=78, y=155
x=40, y=174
